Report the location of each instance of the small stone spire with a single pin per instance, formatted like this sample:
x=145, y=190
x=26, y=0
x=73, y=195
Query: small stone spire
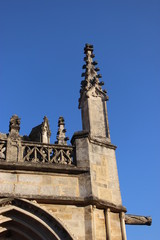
x=91, y=77
x=92, y=101
x=14, y=126
x=46, y=132
x=61, y=137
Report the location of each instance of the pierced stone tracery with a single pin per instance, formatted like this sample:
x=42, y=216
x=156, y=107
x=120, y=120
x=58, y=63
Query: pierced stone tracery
x=47, y=153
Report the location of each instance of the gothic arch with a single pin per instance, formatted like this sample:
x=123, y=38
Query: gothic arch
x=22, y=219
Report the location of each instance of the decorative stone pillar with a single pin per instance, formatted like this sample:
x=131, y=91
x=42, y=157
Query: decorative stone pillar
x=108, y=225
x=13, y=153
x=123, y=227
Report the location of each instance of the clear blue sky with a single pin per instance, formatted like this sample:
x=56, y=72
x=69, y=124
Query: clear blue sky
x=41, y=55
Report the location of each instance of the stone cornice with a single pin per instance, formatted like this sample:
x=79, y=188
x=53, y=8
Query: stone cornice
x=97, y=141
x=78, y=201
x=42, y=167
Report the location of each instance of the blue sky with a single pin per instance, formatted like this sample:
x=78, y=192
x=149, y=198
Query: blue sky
x=41, y=55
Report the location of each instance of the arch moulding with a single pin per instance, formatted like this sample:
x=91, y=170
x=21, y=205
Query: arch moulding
x=23, y=219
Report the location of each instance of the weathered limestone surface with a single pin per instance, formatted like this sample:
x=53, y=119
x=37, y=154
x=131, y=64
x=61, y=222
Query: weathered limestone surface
x=32, y=185
x=137, y=220
x=73, y=217
x=95, y=109
x=84, y=222
x=101, y=160
x=100, y=225
x=115, y=226
x=82, y=153
x=104, y=175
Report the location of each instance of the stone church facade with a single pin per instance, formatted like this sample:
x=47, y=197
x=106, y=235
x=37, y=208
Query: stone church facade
x=60, y=191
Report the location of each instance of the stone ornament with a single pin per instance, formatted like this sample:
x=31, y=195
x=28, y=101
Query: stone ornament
x=14, y=126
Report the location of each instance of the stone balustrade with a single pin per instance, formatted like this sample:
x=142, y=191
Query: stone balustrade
x=26, y=151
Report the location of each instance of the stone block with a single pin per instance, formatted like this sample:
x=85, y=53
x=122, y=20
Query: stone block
x=99, y=219
x=30, y=178
x=117, y=197
x=26, y=189
x=46, y=179
x=82, y=157
x=84, y=185
x=95, y=159
x=115, y=226
x=105, y=194
x=12, y=150
x=49, y=190
x=69, y=191
x=81, y=142
x=7, y=177
x=6, y=189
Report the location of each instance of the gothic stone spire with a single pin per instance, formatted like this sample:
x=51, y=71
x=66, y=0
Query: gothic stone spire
x=92, y=101
x=91, y=85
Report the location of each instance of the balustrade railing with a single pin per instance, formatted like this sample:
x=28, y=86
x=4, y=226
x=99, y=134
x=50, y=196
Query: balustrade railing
x=47, y=153
x=36, y=152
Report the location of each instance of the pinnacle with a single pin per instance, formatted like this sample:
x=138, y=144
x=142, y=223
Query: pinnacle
x=61, y=137
x=90, y=74
x=14, y=123
x=45, y=118
x=90, y=70
x=88, y=47
x=46, y=124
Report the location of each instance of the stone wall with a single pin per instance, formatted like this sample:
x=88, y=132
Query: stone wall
x=84, y=222
x=100, y=158
x=115, y=226
x=41, y=185
x=104, y=175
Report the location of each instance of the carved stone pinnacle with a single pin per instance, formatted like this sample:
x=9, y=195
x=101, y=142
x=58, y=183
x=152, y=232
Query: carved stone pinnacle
x=61, y=137
x=91, y=78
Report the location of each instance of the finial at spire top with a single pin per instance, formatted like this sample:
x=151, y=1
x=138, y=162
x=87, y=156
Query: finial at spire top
x=88, y=47
x=91, y=78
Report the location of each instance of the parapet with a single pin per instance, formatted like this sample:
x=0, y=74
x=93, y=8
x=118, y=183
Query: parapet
x=36, y=147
